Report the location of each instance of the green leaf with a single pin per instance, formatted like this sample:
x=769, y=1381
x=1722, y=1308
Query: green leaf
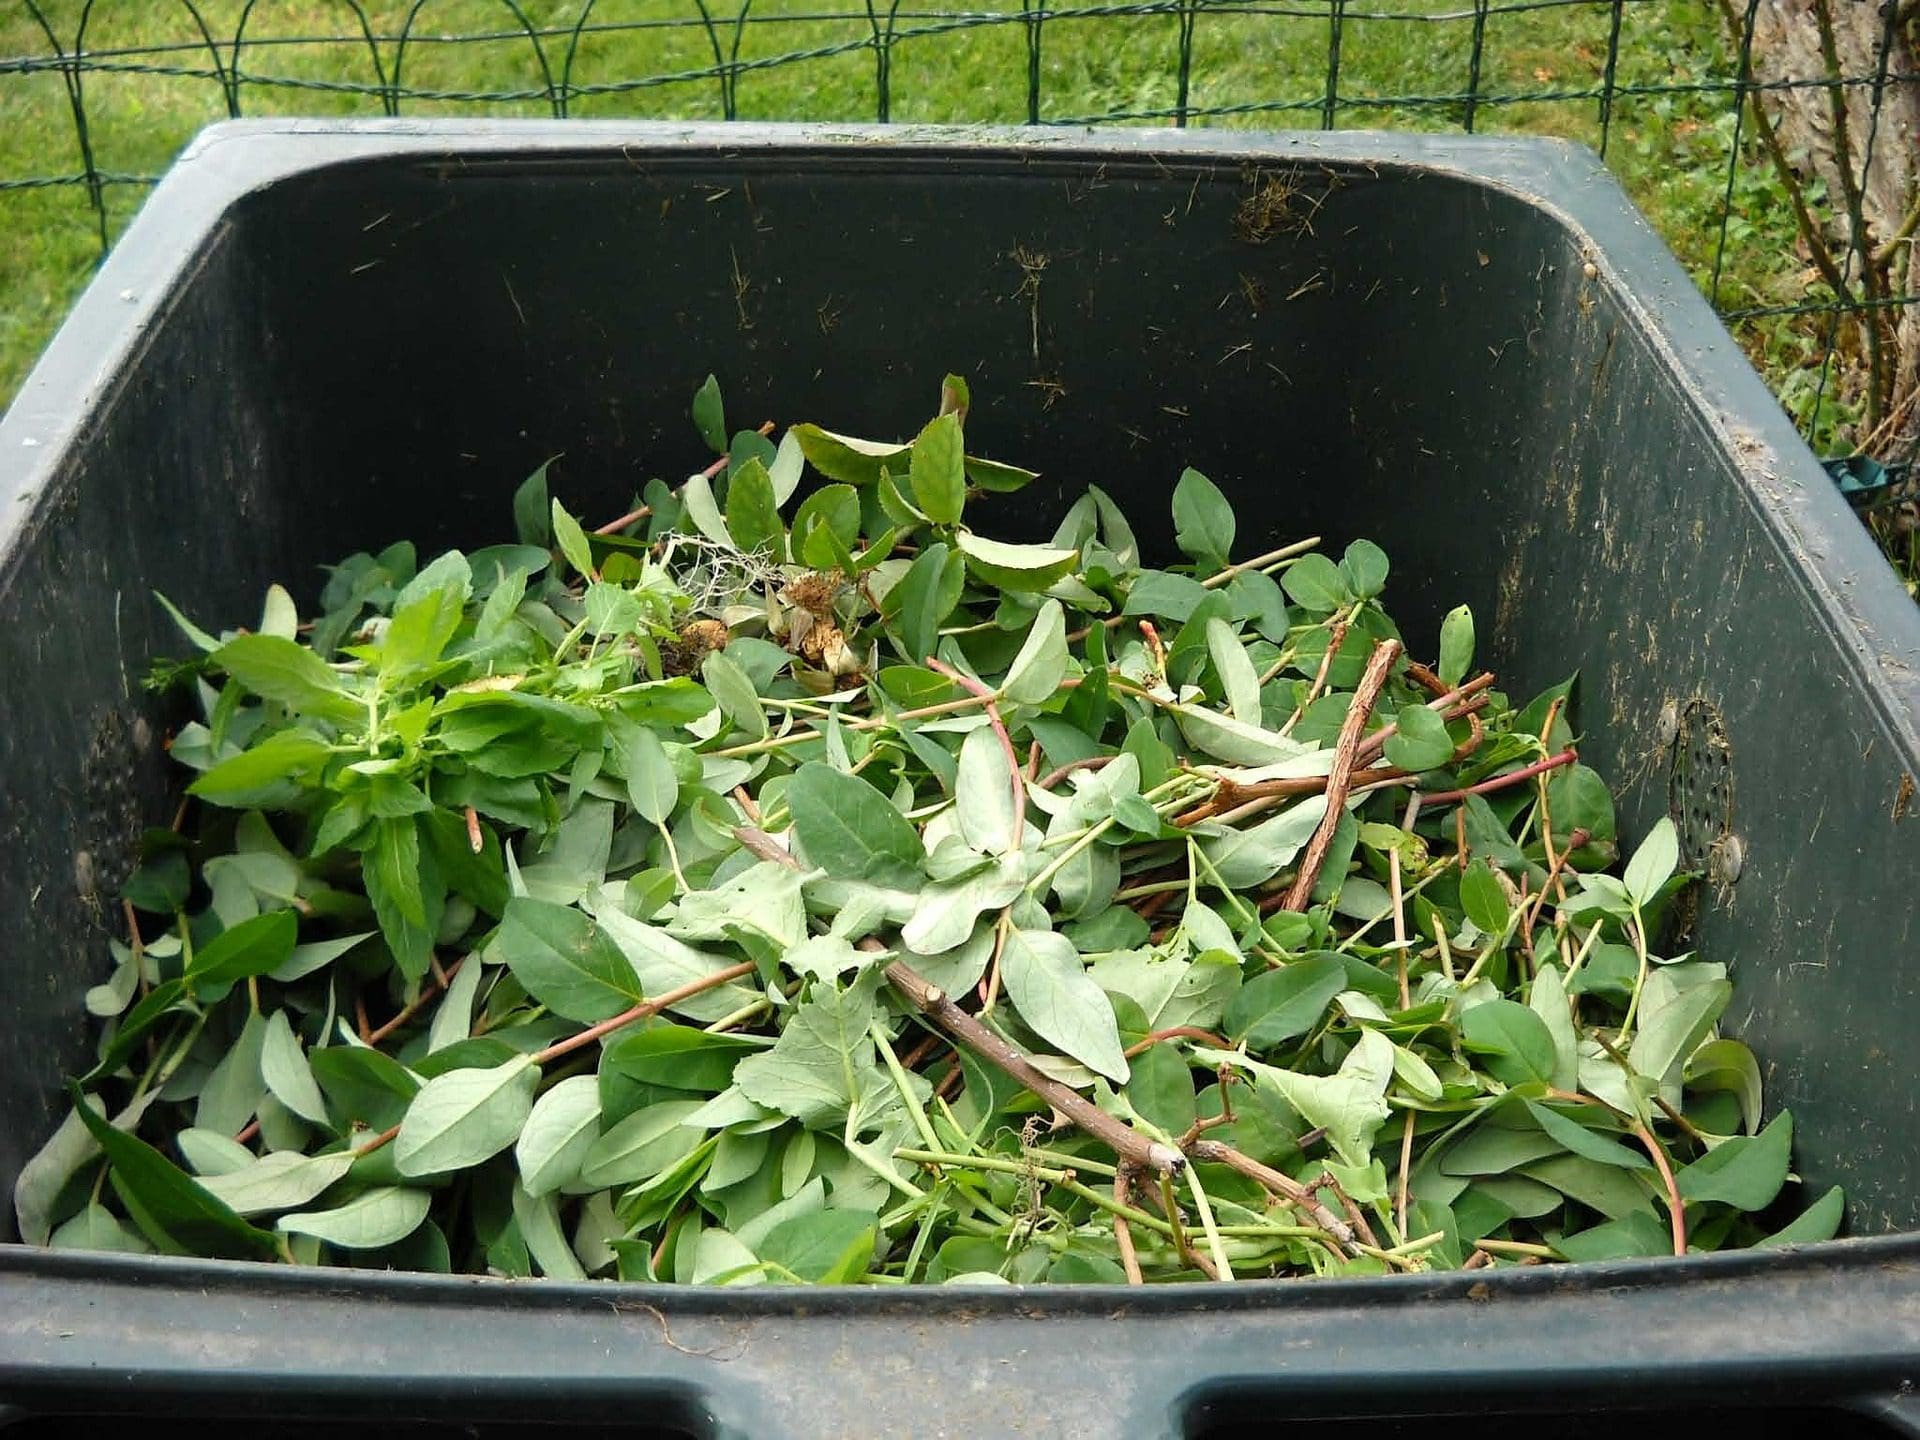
x=1203, y=524
x=1421, y=742
x=1633, y=1236
x=562, y=1127
x=393, y=873
x=253, y=947
x=753, y=517
x=709, y=415
x=283, y=1065
x=938, y=471
x=96, y=1228
x=1744, y=1172
x=1730, y=1066
x=652, y=786
x=735, y=694
x=1582, y=1141
x=1548, y=1000
x=1035, y=675
x=1653, y=863
x=1315, y=584
x=1456, y=645
x=572, y=541
x=842, y=457
x=1516, y=1042
x=823, y=1247
x=1673, y=1022
x=363, y=1087
x=1237, y=675
x=1014, y=567
x=696, y=499
x=465, y=1116
x=664, y=963
x=1060, y=1002
x=983, y=794
x=382, y=1216
x=566, y=961
x=1251, y=856
x=999, y=479
x=835, y=507
x=1281, y=1004
x=52, y=1168
x=531, y=522
x=944, y=913
x=1364, y=568
x=173, y=1211
x=852, y=831
x=823, y=1070
x=1175, y=597
x=1160, y=1089
x=250, y=777
x=1231, y=740
x=1350, y=1104
x=1484, y=899
x=1819, y=1221
x=282, y=1180
x=277, y=669
x=923, y=599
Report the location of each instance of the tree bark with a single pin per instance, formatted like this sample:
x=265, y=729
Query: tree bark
x=1866, y=226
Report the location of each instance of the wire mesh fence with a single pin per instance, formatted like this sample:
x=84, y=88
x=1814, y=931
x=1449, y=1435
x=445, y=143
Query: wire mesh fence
x=1776, y=143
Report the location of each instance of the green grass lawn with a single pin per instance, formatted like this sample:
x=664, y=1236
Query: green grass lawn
x=1671, y=150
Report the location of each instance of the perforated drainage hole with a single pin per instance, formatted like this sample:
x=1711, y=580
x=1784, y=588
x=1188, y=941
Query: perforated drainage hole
x=1700, y=790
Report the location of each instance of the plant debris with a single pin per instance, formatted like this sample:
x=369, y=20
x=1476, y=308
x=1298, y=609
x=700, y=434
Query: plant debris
x=794, y=883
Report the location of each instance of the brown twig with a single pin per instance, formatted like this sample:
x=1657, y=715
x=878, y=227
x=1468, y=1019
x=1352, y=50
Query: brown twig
x=1578, y=838
x=748, y=805
x=1355, y=1216
x=1132, y=1148
x=1344, y=753
x=428, y=992
x=645, y=1008
x=1176, y=1032
x=1283, y=1187
x=1451, y=706
x=1122, y=1231
x=1406, y=1175
x=135, y=944
x=987, y=699
x=1171, y=1210
x=246, y=1135
x=1336, y=637
x=1215, y=580
x=380, y=1141
x=1055, y=776
x=476, y=841
x=360, y=1018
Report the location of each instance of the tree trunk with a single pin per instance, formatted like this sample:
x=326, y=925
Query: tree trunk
x=1864, y=233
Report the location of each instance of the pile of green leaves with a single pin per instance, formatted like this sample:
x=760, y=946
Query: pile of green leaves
x=596, y=904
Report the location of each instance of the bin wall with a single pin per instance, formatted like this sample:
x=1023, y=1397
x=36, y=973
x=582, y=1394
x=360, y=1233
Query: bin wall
x=1528, y=412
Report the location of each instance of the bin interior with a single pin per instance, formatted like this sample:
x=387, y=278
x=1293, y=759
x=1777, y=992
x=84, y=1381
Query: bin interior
x=384, y=347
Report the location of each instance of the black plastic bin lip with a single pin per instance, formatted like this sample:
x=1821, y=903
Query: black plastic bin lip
x=1834, y=1326
x=1875, y=623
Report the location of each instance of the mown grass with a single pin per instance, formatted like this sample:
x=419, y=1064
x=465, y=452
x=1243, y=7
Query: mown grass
x=1670, y=149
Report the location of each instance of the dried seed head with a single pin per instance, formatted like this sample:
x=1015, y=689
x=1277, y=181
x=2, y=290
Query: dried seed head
x=815, y=591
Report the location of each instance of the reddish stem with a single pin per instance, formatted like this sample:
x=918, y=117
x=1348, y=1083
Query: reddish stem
x=643, y=1010
x=1177, y=1032
x=987, y=699
x=427, y=993
x=1502, y=782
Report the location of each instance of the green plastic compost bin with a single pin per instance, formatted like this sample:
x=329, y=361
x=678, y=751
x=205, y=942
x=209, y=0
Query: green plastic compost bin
x=320, y=336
